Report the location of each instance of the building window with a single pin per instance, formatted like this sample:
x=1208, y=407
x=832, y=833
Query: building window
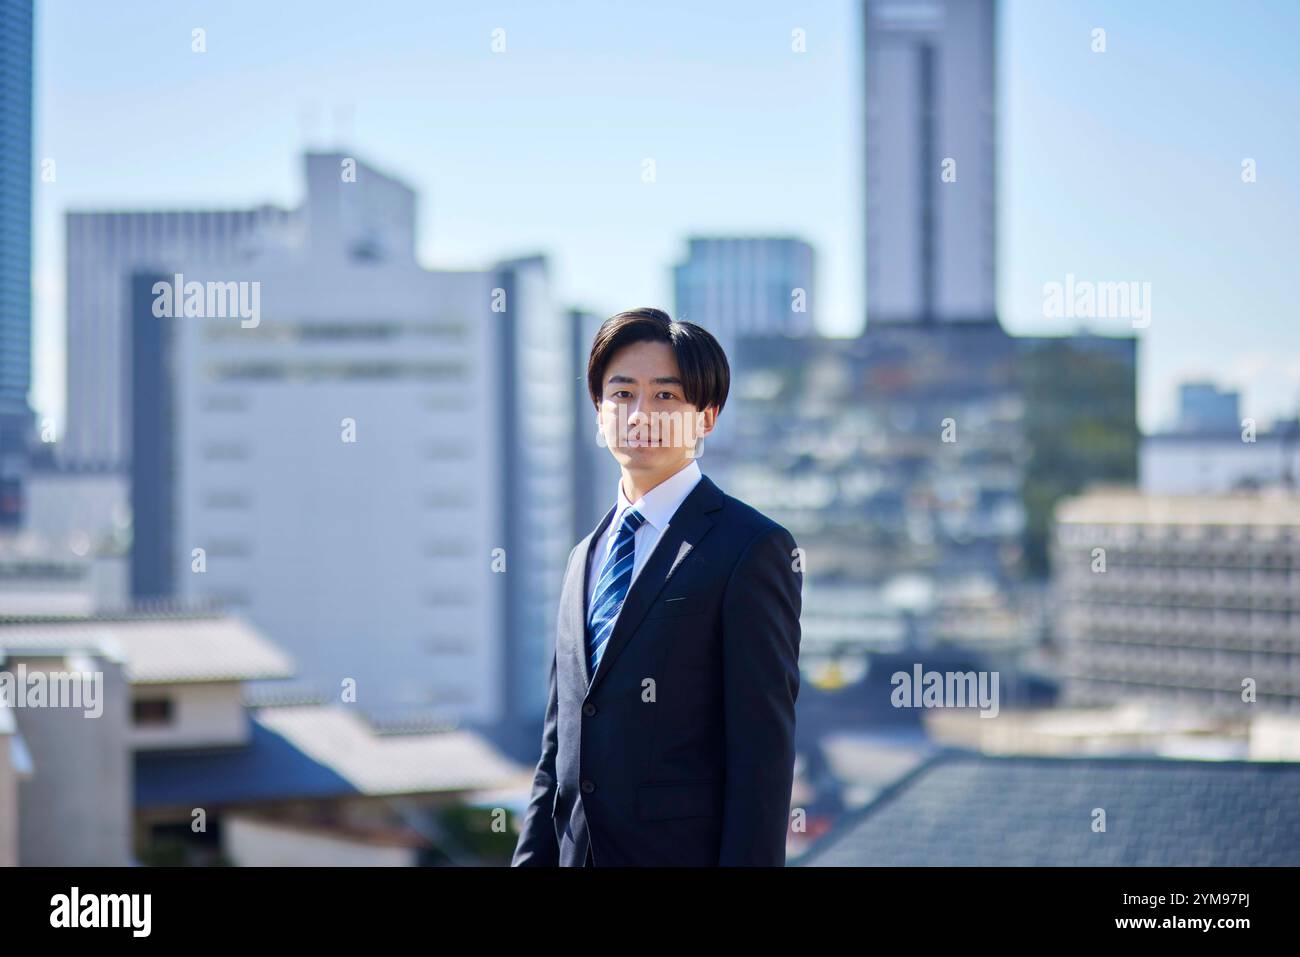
x=227, y=498
x=151, y=712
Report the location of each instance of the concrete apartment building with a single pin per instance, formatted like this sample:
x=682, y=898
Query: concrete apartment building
x=1189, y=600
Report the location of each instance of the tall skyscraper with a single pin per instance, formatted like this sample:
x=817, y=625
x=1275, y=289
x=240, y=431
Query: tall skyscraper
x=930, y=160
x=15, y=251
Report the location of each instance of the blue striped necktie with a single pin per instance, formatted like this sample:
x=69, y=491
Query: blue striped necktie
x=611, y=585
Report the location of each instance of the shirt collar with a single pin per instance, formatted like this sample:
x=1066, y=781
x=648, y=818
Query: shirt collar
x=659, y=504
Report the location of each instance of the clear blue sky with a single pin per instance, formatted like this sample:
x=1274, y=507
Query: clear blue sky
x=1116, y=166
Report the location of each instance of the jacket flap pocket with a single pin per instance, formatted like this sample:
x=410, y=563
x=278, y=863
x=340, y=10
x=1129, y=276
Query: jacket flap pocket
x=658, y=802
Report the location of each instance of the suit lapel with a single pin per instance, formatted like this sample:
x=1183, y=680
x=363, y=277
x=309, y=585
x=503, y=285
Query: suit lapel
x=689, y=524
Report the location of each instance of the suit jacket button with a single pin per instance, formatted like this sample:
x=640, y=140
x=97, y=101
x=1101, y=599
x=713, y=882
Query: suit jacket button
x=587, y=787
x=588, y=709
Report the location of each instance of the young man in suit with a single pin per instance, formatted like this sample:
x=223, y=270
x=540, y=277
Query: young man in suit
x=669, y=732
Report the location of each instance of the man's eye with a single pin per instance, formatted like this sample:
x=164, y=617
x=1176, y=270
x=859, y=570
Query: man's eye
x=621, y=392
x=668, y=395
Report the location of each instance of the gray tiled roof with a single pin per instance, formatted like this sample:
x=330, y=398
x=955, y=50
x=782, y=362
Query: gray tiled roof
x=157, y=649
x=962, y=809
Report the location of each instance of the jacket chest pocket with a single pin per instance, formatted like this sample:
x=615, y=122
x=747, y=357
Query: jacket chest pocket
x=661, y=802
x=676, y=606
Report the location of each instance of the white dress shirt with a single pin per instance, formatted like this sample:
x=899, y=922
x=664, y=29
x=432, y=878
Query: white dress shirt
x=657, y=506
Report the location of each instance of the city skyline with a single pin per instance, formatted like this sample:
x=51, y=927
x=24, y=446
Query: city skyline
x=304, y=510
x=1093, y=182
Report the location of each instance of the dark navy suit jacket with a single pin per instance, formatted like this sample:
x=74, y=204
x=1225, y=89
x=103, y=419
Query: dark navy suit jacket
x=679, y=751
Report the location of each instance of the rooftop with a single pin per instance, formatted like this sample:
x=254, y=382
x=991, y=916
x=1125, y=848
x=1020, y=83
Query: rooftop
x=1111, y=505
x=164, y=645
x=961, y=809
x=323, y=751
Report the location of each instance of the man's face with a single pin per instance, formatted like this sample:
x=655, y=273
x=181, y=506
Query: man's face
x=643, y=414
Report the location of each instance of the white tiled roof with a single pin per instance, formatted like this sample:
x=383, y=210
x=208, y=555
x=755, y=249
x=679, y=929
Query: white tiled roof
x=68, y=639
x=340, y=738
x=161, y=649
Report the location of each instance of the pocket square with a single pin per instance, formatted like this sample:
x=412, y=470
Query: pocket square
x=682, y=552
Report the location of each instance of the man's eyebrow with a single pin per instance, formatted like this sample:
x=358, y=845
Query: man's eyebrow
x=659, y=380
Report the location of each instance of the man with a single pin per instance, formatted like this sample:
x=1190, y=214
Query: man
x=669, y=733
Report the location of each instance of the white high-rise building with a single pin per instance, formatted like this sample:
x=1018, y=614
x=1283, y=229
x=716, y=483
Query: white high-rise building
x=102, y=249
x=374, y=470
x=930, y=139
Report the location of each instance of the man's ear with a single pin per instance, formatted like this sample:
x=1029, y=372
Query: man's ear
x=706, y=419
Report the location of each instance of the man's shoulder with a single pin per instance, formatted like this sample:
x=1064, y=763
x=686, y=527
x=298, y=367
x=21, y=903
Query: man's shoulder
x=746, y=524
